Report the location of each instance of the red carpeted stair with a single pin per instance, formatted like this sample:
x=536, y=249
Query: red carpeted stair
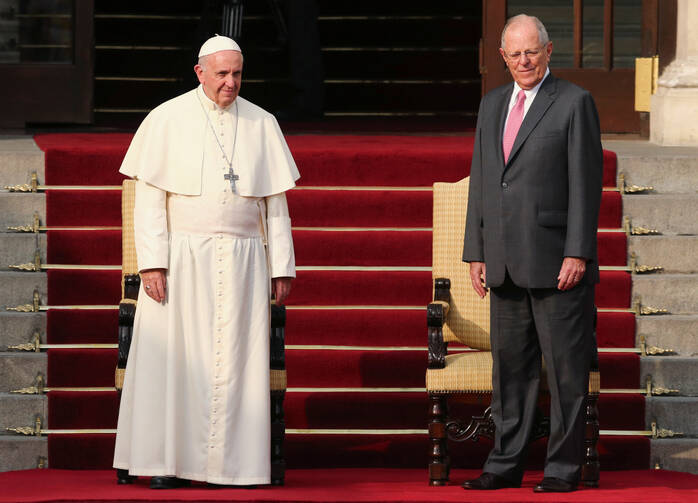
x=364, y=202
x=399, y=327
x=318, y=367
x=321, y=287
x=313, y=247
x=345, y=485
x=309, y=208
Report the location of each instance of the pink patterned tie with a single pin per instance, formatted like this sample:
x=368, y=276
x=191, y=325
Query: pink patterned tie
x=513, y=124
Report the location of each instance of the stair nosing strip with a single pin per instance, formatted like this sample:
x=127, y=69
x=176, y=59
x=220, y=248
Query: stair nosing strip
x=295, y=228
x=349, y=389
x=363, y=229
x=380, y=17
x=333, y=431
x=334, y=347
x=415, y=188
x=306, y=268
x=349, y=188
x=148, y=17
x=334, y=307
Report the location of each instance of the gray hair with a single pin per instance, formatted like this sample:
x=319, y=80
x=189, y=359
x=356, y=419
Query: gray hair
x=542, y=32
x=202, y=61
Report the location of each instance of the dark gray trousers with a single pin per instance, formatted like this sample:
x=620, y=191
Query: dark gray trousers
x=526, y=324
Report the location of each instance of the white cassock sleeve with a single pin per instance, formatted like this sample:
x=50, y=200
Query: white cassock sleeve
x=279, y=239
x=150, y=227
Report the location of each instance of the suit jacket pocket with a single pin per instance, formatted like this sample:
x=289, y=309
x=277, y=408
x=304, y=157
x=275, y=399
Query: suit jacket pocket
x=552, y=218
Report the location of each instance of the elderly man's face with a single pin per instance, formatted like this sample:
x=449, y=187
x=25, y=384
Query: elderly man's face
x=221, y=76
x=524, y=55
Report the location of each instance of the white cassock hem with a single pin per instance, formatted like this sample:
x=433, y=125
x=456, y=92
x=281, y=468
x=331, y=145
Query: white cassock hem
x=198, y=477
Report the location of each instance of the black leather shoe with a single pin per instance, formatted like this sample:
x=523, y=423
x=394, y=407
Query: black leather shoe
x=122, y=477
x=489, y=481
x=168, y=483
x=555, y=485
x=210, y=485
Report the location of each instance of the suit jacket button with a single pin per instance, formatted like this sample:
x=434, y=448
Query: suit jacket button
x=505, y=185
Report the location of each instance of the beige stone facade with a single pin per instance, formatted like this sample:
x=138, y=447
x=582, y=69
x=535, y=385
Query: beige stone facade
x=674, y=108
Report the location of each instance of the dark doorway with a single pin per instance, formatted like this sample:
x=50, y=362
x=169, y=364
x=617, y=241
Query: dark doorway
x=46, y=59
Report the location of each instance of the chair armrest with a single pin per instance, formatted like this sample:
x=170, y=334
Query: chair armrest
x=442, y=289
x=277, y=336
x=127, y=313
x=436, y=316
x=132, y=283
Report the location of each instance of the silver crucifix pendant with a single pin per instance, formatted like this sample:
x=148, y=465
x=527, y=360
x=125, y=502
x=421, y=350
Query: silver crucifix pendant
x=230, y=175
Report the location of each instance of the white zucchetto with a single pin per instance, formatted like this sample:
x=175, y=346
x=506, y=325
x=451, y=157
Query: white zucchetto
x=218, y=43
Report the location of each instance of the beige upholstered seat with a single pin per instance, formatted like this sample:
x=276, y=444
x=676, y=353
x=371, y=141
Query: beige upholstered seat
x=459, y=317
x=130, y=284
x=469, y=372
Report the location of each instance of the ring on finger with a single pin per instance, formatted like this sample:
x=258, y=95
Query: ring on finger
x=147, y=287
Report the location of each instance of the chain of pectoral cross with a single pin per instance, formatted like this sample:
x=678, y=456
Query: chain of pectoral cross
x=230, y=175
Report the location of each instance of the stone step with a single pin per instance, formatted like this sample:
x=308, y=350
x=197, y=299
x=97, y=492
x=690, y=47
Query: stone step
x=673, y=253
x=19, y=157
x=678, y=332
x=18, y=287
x=20, y=410
x=19, y=248
x=677, y=454
x=676, y=413
x=667, y=169
x=678, y=293
x=671, y=372
x=18, y=328
x=19, y=370
x=21, y=453
x=670, y=214
x=19, y=208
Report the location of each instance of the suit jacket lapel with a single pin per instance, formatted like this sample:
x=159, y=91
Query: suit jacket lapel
x=544, y=98
x=501, y=114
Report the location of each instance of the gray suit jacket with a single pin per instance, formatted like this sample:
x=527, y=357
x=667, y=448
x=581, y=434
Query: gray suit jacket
x=543, y=205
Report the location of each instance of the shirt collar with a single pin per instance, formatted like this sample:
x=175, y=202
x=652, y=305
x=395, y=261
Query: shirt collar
x=533, y=91
x=208, y=103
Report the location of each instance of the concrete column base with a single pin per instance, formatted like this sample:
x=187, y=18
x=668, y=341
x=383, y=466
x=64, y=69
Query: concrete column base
x=674, y=117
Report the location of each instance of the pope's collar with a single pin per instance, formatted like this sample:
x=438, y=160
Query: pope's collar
x=208, y=102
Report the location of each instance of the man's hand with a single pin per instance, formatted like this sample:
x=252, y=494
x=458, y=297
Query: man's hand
x=478, y=277
x=281, y=287
x=154, y=283
x=571, y=273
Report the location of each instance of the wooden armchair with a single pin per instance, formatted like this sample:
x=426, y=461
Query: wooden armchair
x=130, y=284
x=457, y=315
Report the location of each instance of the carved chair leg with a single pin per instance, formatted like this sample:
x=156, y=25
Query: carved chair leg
x=591, y=466
x=439, y=465
x=278, y=433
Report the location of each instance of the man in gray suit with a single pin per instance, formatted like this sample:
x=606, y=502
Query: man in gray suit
x=535, y=191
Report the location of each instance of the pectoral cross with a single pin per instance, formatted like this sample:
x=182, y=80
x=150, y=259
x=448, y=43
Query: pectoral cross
x=230, y=175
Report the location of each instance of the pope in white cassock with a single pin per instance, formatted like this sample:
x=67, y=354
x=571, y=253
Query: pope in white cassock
x=211, y=229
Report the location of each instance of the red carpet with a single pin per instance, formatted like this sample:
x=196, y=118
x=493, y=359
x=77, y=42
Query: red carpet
x=345, y=485
x=94, y=159
x=319, y=368
x=85, y=326
x=316, y=208
x=325, y=451
x=312, y=247
x=316, y=409
x=353, y=328
x=325, y=288
x=101, y=247
x=326, y=234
